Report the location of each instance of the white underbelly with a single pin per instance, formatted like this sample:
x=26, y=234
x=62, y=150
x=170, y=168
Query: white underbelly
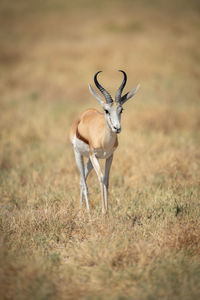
x=83, y=149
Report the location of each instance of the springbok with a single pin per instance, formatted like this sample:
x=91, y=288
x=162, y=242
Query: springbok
x=94, y=135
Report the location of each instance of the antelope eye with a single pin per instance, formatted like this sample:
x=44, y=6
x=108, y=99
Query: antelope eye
x=121, y=110
x=106, y=111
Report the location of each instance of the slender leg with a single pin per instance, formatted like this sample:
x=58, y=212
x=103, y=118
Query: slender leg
x=88, y=168
x=106, y=178
x=97, y=168
x=80, y=165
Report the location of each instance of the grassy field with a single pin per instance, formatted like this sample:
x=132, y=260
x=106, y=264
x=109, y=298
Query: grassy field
x=149, y=245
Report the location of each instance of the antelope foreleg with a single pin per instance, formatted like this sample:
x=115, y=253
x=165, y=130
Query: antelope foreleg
x=100, y=176
x=88, y=168
x=106, y=178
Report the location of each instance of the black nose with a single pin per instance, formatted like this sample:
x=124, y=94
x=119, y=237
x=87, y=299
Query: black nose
x=117, y=129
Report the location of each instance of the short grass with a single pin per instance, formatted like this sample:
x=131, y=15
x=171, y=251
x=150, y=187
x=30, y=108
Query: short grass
x=148, y=246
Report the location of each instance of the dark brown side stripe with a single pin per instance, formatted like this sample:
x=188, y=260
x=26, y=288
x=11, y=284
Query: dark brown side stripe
x=80, y=137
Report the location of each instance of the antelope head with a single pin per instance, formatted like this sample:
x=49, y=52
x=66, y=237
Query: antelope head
x=112, y=109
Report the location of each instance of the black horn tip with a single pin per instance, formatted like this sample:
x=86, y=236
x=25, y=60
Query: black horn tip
x=122, y=72
x=97, y=73
x=120, y=89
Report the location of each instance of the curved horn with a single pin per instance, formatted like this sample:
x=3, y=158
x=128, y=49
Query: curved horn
x=103, y=91
x=120, y=89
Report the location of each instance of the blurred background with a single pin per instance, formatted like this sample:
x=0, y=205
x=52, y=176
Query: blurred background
x=51, y=49
x=149, y=246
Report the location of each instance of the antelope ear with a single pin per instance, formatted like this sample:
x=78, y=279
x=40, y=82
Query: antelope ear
x=129, y=95
x=96, y=95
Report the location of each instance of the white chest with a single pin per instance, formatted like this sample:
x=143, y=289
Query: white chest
x=83, y=149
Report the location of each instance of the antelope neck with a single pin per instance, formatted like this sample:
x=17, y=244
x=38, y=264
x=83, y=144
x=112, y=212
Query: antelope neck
x=109, y=137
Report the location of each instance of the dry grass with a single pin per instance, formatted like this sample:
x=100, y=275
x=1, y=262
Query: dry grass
x=148, y=247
